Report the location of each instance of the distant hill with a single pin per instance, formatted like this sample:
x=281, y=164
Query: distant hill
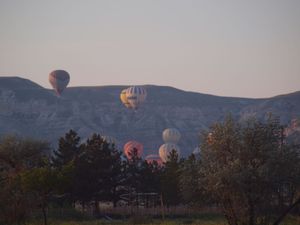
x=30, y=110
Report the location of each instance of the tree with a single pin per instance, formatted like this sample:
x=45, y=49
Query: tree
x=63, y=159
x=17, y=155
x=97, y=173
x=170, y=180
x=250, y=171
x=133, y=170
x=68, y=149
x=40, y=183
x=192, y=189
x=115, y=175
x=150, y=177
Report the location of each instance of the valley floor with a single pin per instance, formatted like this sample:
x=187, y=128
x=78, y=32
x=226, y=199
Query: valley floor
x=208, y=220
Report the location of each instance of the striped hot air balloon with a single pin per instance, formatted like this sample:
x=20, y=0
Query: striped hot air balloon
x=59, y=79
x=136, y=95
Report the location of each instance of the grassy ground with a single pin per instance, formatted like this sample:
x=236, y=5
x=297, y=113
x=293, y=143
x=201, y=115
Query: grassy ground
x=204, y=220
x=74, y=217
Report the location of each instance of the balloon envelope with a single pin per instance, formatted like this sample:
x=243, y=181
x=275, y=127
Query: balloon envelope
x=154, y=158
x=59, y=79
x=123, y=98
x=171, y=135
x=129, y=149
x=166, y=149
x=136, y=95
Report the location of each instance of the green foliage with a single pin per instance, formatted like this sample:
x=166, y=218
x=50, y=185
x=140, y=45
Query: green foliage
x=150, y=177
x=68, y=149
x=133, y=172
x=192, y=189
x=170, y=180
x=97, y=171
x=17, y=155
x=249, y=170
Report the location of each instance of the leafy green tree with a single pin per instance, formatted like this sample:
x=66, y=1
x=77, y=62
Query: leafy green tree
x=250, y=171
x=17, y=155
x=41, y=184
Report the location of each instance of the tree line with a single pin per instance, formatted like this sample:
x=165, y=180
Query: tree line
x=247, y=169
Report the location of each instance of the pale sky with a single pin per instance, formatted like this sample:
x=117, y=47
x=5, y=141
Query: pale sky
x=245, y=48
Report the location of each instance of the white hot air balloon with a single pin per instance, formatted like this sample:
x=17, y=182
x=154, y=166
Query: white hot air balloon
x=136, y=95
x=166, y=149
x=171, y=135
x=59, y=79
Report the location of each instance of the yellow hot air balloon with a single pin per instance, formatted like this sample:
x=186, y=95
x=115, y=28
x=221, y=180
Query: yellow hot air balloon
x=123, y=98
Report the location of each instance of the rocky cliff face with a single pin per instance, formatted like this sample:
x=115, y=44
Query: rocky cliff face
x=29, y=110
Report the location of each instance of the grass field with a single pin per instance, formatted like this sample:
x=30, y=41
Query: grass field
x=204, y=220
x=209, y=216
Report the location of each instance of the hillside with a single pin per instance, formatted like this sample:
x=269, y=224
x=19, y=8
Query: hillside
x=30, y=110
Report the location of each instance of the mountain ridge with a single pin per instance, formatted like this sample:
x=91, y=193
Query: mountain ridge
x=28, y=109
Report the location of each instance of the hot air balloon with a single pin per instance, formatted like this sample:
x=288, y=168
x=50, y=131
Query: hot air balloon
x=59, y=79
x=136, y=95
x=171, y=135
x=165, y=150
x=109, y=140
x=123, y=98
x=129, y=149
x=151, y=158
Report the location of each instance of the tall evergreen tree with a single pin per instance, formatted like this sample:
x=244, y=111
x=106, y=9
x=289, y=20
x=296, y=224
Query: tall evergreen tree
x=170, y=180
x=68, y=149
x=150, y=177
x=192, y=189
x=98, y=172
x=133, y=172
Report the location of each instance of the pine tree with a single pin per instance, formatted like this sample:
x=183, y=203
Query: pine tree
x=170, y=180
x=98, y=172
x=68, y=149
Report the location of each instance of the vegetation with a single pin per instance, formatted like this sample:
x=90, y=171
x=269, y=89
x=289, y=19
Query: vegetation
x=251, y=172
x=247, y=171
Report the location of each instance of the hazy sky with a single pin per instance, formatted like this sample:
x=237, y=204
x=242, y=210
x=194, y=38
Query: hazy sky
x=248, y=48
